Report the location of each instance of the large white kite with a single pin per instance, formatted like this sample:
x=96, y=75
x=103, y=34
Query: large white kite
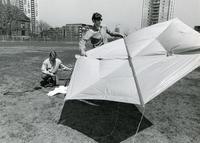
x=139, y=67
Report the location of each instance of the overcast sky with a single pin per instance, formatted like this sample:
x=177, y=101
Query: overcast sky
x=126, y=13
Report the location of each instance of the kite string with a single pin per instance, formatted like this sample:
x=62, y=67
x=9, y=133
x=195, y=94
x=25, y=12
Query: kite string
x=138, y=127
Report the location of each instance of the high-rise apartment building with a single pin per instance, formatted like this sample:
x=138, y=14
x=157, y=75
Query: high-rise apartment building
x=155, y=11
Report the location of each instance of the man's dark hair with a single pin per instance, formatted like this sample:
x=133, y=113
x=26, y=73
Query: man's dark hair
x=96, y=16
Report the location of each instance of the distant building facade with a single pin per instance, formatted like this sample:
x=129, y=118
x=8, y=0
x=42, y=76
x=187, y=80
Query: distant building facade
x=30, y=8
x=17, y=29
x=68, y=33
x=21, y=28
x=74, y=32
x=155, y=11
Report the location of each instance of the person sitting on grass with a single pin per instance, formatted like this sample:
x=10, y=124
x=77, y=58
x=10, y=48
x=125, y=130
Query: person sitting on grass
x=49, y=69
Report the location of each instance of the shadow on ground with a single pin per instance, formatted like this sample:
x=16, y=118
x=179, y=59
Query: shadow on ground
x=109, y=122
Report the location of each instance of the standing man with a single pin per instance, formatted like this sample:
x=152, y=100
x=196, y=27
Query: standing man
x=97, y=34
x=49, y=69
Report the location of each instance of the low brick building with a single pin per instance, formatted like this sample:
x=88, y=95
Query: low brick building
x=21, y=28
x=74, y=32
x=16, y=30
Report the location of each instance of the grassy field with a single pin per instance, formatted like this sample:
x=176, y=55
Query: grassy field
x=28, y=115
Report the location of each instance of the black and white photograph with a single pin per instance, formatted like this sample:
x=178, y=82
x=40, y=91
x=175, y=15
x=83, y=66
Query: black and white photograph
x=99, y=71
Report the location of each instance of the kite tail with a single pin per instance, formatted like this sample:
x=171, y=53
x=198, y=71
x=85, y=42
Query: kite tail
x=138, y=127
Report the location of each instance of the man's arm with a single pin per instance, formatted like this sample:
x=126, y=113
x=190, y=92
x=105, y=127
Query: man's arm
x=82, y=47
x=114, y=34
x=83, y=41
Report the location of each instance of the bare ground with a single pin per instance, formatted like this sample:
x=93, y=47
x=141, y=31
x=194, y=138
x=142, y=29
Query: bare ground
x=28, y=115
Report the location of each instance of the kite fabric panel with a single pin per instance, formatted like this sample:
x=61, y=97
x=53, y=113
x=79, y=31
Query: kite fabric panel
x=160, y=54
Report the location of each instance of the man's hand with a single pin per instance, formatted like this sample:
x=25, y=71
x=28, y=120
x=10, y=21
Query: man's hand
x=51, y=74
x=83, y=53
x=67, y=68
x=123, y=36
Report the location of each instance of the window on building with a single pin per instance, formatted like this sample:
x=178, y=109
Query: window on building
x=22, y=25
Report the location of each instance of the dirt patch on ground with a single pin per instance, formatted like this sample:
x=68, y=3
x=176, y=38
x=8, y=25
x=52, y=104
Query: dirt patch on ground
x=28, y=115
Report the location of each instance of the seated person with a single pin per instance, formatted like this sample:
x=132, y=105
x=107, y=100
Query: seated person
x=49, y=69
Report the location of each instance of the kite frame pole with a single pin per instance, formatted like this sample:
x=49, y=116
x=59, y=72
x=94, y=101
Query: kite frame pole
x=134, y=75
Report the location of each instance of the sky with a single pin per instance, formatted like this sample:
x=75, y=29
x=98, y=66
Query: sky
x=125, y=14
x=188, y=11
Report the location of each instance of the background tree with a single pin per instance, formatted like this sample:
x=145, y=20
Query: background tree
x=2, y=15
x=43, y=28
